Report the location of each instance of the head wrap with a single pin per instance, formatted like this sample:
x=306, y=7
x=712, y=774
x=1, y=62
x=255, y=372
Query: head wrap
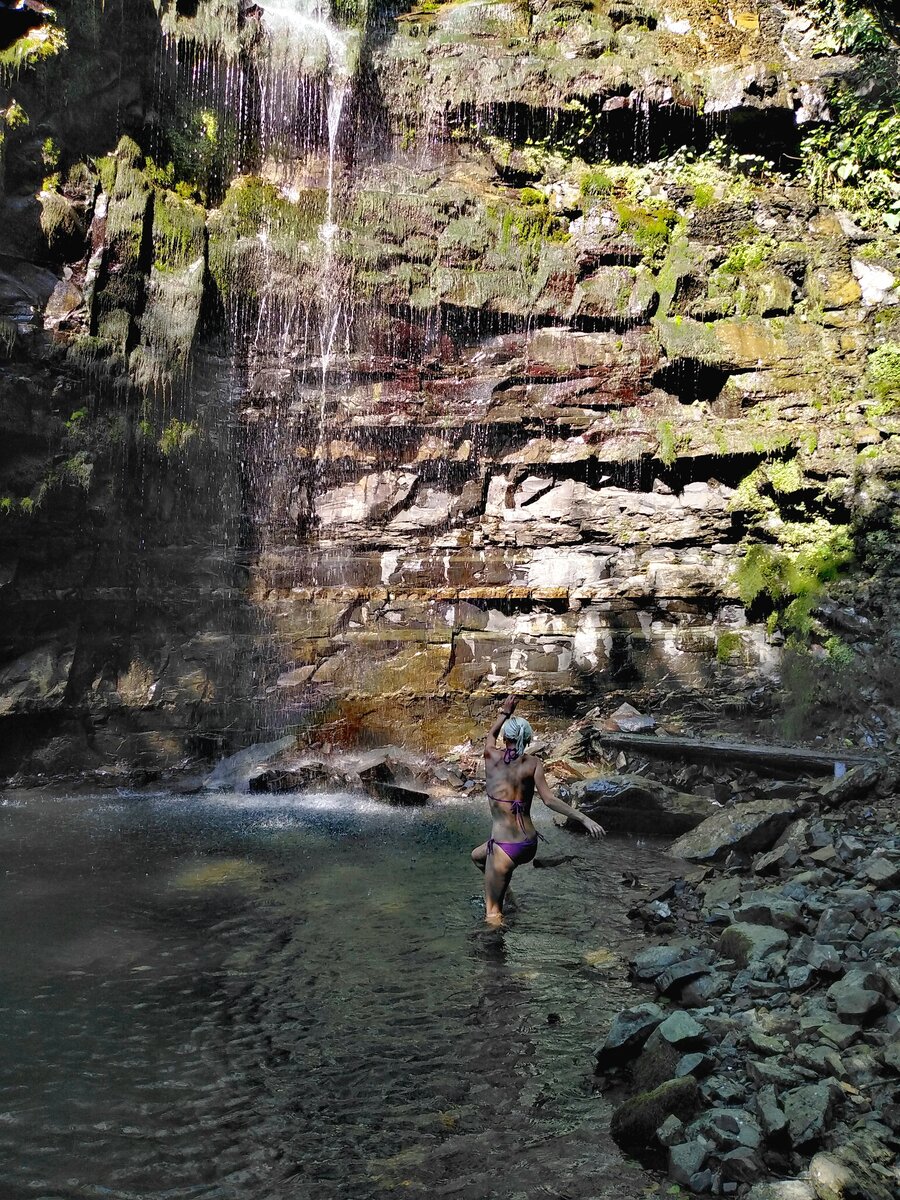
x=517, y=730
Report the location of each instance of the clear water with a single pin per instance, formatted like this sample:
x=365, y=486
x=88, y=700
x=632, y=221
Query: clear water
x=251, y=998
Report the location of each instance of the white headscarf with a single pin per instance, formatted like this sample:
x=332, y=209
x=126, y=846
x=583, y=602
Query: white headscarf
x=517, y=730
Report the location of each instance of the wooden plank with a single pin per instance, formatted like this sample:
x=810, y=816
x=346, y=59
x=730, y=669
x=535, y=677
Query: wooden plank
x=783, y=758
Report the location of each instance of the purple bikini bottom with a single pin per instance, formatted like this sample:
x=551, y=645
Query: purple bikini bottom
x=519, y=852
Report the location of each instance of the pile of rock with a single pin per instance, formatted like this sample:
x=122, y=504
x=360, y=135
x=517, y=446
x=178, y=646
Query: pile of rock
x=772, y=1047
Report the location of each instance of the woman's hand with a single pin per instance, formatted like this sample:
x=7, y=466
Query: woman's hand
x=592, y=828
x=509, y=705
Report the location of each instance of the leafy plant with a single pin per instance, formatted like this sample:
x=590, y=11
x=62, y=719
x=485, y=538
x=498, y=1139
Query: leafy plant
x=854, y=162
x=176, y=435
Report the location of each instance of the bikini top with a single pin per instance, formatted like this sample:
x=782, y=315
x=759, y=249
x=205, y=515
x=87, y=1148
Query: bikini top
x=517, y=808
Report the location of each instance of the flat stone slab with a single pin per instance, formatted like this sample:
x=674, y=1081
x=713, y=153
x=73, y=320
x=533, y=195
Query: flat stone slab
x=746, y=828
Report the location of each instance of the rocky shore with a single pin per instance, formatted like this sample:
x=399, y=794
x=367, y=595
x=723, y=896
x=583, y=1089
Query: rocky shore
x=765, y=1061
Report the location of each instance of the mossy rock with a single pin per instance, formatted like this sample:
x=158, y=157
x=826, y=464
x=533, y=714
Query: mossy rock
x=61, y=222
x=179, y=232
x=259, y=238
x=634, y=1124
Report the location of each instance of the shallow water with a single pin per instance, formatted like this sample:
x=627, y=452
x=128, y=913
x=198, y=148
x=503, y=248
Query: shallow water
x=256, y=998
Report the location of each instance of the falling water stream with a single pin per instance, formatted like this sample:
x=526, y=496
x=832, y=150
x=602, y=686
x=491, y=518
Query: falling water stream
x=263, y=998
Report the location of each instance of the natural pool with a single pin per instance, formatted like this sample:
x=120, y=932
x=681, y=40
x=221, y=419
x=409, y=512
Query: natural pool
x=271, y=997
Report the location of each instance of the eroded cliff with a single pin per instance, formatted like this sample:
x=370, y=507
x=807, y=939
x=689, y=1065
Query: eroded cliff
x=471, y=346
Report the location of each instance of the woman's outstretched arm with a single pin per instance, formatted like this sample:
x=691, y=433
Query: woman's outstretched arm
x=507, y=708
x=559, y=806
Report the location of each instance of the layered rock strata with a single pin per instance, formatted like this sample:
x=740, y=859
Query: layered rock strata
x=581, y=393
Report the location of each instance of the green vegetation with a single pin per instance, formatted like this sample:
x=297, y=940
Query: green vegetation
x=176, y=436
x=728, y=646
x=854, y=163
x=594, y=183
x=179, y=232
x=258, y=231
x=32, y=48
x=650, y=223
x=792, y=576
x=883, y=377
x=667, y=450
x=854, y=26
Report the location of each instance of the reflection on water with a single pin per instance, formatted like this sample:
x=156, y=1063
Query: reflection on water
x=249, y=998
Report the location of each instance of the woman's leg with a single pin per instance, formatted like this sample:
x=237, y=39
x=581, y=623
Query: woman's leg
x=497, y=874
x=479, y=855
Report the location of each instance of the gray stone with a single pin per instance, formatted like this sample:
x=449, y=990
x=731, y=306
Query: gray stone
x=777, y=859
x=850, y=847
x=698, y=992
x=838, y=1034
x=823, y=1060
x=891, y=1055
x=882, y=941
x=679, y=974
x=856, y=997
x=671, y=1132
x=881, y=872
x=808, y=1110
x=825, y=959
x=628, y=1032
x=746, y=828
x=766, y=1044
x=781, y=1189
x=767, y=908
x=696, y=1064
x=686, y=1160
x=769, y=1112
x=636, y=804
x=766, y=1071
x=653, y=961
x=741, y=1165
x=834, y=926
x=831, y=1179
x=701, y=1182
x=745, y=943
x=680, y=1029
x=724, y=892
x=858, y=781
x=798, y=978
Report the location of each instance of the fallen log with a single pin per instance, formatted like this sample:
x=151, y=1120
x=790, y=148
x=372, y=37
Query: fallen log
x=778, y=758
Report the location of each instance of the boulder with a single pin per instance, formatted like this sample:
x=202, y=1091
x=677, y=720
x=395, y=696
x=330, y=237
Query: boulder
x=686, y=1159
x=809, y=1110
x=628, y=1033
x=881, y=872
x=634, y=804
x=745, y=943
x=289, y=778
x=650, y=963
x=833, y=1177
x=746, y=828
x=634, y=1124
x=857, y=997
x=857, y=782
x=781, y=1189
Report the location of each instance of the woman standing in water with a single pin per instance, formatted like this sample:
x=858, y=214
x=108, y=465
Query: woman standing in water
x=512, y=776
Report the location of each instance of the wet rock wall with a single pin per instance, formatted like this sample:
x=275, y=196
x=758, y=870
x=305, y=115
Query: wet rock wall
x=583, y=396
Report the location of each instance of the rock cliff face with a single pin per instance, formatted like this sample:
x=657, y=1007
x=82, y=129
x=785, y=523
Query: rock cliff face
x=500, y=344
